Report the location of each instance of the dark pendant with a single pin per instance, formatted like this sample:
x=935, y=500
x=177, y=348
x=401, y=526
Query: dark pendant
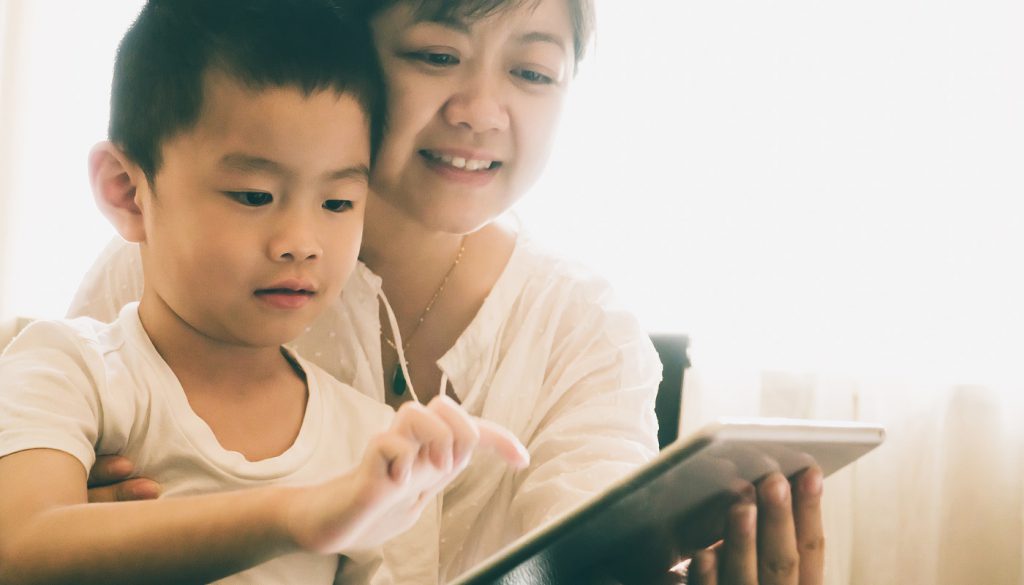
x=398, y=384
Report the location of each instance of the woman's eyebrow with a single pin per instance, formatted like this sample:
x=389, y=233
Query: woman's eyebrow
x=543, y=37
x=455, y=24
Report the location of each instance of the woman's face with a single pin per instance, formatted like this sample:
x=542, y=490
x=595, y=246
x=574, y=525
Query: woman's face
x=472, y=109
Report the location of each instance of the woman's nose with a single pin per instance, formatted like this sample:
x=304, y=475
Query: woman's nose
x=479, y=107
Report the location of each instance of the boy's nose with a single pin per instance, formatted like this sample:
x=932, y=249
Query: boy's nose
x=300, y=253
x=295, y=244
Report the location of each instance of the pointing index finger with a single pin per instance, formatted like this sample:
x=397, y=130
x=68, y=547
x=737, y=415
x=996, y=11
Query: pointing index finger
x=499, y=439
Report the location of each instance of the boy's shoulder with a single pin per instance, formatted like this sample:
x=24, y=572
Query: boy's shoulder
x=80, y=350
x=79, y=335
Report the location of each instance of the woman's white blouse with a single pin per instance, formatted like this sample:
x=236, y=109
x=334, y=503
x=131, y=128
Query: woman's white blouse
x=549, y=356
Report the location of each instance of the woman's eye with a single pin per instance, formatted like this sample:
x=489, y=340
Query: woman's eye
x=437, y=59
x=531, y=76
x=337, y=205
x=251, y=198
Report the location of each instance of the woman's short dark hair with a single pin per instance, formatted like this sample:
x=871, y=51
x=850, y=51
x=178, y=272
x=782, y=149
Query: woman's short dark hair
x=581, y=12
x=312, y=45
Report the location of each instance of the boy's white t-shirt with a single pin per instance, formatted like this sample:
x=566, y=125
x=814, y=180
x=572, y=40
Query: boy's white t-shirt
x=85, y=387
x=551, y=356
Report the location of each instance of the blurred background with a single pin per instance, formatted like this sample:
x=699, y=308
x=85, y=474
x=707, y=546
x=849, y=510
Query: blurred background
x=827, y=198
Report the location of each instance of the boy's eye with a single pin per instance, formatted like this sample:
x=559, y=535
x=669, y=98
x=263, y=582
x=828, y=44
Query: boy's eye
x=435, y=58
x=533, y=77
x=337, y=205
x=251, y=198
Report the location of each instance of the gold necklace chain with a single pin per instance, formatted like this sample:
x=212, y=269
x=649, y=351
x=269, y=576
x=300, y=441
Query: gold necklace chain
x=430, y=303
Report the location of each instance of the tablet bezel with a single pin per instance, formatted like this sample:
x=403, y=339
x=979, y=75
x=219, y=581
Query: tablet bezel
x=750, y=448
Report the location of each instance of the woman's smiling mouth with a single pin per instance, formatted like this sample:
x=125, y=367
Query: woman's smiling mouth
x=462, y=163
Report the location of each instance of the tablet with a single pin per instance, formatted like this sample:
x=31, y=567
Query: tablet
x=637, y=527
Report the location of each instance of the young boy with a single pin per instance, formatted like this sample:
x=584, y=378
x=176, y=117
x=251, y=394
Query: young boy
x=241, y=136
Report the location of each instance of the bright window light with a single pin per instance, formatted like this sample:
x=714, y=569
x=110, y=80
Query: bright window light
x=826, y=186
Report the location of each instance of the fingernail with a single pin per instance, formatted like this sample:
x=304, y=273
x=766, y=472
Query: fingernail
x=745, y=517
x=121, y=467
x=812, y=483
x=748, y=493
x=145, y=490
x=524, y=456
x=778, y=490
x=395, y=472
x=749, y=516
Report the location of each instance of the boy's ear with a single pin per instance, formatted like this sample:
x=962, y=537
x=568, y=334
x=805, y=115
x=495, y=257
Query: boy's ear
x=115, y=179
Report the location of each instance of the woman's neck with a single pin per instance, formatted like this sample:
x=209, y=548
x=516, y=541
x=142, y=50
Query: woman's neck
x=406, y=254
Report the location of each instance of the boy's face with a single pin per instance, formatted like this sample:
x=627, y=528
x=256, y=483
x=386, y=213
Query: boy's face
x=254, y=219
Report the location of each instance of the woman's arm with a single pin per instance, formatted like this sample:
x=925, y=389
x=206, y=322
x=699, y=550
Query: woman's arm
x=113, y=281
x=603, y=377
x=111, y=480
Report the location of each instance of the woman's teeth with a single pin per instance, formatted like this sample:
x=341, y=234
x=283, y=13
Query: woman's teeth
x=459, y=162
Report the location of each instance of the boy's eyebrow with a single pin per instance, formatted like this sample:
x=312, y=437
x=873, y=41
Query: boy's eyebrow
x=249, y=164
x=253, y=164
x=359, y=171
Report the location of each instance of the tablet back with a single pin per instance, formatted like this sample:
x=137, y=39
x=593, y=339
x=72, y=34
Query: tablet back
x=636, y=529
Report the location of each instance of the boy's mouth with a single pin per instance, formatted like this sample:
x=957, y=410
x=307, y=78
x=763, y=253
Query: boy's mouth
x=284, y=291
x=460, y=162
x=286, y=295
x=285, y=298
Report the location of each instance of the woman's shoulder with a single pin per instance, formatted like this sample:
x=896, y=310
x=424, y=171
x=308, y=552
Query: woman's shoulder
x=114, y=280
x=540, y=274
x=542, y=293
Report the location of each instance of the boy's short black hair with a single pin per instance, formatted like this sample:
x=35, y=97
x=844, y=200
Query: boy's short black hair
x=312, y=45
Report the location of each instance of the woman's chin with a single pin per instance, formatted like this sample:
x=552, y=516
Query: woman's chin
x=458, y=214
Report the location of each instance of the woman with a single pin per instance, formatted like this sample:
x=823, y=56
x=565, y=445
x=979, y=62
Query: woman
x=450, y=300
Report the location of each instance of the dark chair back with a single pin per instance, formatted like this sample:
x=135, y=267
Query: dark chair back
x=674, y=361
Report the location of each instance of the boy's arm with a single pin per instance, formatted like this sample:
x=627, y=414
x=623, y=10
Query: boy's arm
x=49, y=535
x=113, y=281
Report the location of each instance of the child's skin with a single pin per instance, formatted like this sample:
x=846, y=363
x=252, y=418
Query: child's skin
x=262, y=197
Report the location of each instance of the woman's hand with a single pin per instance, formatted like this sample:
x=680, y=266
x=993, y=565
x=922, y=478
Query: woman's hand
x=778, y=541
x=402, y=471
x=110, y=480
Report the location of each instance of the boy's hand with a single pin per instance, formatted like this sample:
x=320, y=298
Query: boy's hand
x=402, y=471
x=110, y=480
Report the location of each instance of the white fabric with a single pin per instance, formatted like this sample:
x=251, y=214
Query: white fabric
x=549, y=356
x=943, y=490
x=84, y=387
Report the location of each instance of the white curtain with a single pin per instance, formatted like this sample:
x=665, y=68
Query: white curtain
x=940, y=502
x=827, y=197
